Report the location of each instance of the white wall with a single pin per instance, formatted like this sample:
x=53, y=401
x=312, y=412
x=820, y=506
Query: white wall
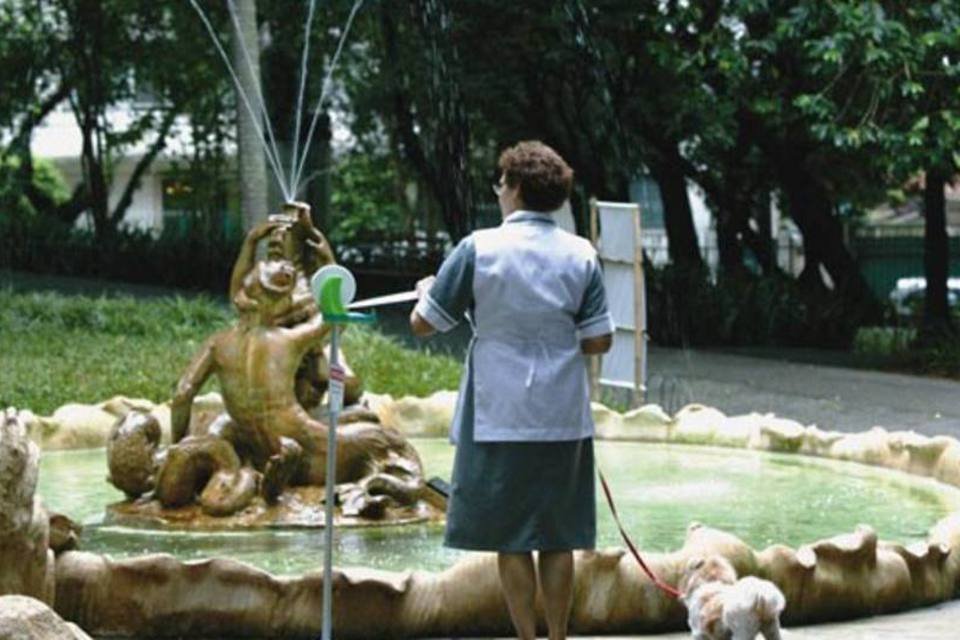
x=58, y=139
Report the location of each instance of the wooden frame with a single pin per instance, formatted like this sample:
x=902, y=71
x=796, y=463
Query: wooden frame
x=639, y=387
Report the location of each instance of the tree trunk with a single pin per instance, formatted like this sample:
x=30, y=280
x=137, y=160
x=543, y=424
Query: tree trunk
x=678, y=217
x=94, y=176
x=728, y=218
x=728, y=244
x=761, y=243
x=88, y=109
x=936, y=259
x=250, y=154
x=823, y=243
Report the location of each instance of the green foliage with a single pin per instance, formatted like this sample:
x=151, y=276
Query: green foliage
x=106, y=56
x=887, y=78
x=189, y=260
x=826, y=105
x=689, y=309
x=899, y=349
x=367, y=199
x=59, y=349
x=47, y=181
x=26, y=52
x=174, y=317
x=883, y=342
x=388, y=367
x=941, y=359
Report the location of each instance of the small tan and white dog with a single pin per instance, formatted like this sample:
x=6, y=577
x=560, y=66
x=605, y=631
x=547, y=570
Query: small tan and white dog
x=720, y=607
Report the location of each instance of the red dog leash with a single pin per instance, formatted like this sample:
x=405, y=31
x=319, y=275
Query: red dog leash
x=663, y=586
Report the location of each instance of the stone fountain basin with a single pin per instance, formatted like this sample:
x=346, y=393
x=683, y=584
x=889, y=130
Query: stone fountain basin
x=838, y=577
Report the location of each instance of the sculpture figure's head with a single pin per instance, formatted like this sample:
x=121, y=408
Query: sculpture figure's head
x=268, y=290
x=276, y=277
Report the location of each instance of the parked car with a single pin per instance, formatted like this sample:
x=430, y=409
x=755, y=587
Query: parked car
x=908, y=296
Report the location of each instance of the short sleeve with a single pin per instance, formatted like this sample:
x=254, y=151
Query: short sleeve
x=593, y=318
x=452, y=293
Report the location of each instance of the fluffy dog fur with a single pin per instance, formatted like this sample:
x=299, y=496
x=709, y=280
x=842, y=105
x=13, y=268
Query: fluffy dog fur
x=720, y=607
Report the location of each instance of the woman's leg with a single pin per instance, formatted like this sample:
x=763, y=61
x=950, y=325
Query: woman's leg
x=518, y=579
x=556, y=582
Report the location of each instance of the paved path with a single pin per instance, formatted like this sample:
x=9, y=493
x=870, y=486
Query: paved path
x=831, y=397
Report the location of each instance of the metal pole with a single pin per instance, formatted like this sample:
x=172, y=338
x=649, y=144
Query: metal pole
x=335, y=399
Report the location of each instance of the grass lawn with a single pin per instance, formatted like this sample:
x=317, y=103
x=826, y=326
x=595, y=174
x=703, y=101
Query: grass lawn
x=56, y=349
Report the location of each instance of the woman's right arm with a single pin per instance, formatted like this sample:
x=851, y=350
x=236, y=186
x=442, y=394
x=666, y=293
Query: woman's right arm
x=418, y=325
x=444, y=299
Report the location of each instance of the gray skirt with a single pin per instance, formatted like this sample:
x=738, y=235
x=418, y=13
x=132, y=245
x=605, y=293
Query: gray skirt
x=520, y=496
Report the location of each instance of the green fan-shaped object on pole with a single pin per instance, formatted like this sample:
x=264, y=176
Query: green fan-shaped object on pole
x=333, y=288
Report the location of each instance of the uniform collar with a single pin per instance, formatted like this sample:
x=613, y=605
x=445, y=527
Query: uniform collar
x=522, y=215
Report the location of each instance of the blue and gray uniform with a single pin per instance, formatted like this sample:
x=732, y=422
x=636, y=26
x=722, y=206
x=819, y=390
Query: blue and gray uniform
x=523, y=473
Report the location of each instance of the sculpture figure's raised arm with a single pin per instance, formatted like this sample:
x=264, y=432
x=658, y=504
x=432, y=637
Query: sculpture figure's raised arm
x=315, y=250
x=248, y=254
x=310, y=332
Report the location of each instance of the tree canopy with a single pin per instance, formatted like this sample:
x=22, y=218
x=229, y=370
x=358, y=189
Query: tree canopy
x=825, y=108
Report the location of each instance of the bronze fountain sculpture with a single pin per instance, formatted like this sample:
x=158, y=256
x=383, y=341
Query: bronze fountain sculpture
x=262, y=460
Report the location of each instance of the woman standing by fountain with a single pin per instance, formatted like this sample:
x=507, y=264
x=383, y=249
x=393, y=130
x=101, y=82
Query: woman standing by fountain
x=523, y=477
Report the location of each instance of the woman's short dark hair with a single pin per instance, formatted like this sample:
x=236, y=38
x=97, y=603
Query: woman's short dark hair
x=544, y=178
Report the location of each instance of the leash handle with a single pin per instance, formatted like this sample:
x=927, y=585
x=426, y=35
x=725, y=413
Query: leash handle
x=663, y=586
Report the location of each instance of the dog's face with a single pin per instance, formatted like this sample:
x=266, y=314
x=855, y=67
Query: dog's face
x=700, y=571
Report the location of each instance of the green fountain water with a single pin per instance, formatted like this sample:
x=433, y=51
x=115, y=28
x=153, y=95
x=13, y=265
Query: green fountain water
x=761, y=497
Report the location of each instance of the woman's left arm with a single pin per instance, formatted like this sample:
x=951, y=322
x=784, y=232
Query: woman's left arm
x=594, y=322
x=596, y=346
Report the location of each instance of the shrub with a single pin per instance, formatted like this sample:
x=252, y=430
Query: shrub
x=942, y=359
x=689, y=308
x=42, y=244
x=883, y=341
